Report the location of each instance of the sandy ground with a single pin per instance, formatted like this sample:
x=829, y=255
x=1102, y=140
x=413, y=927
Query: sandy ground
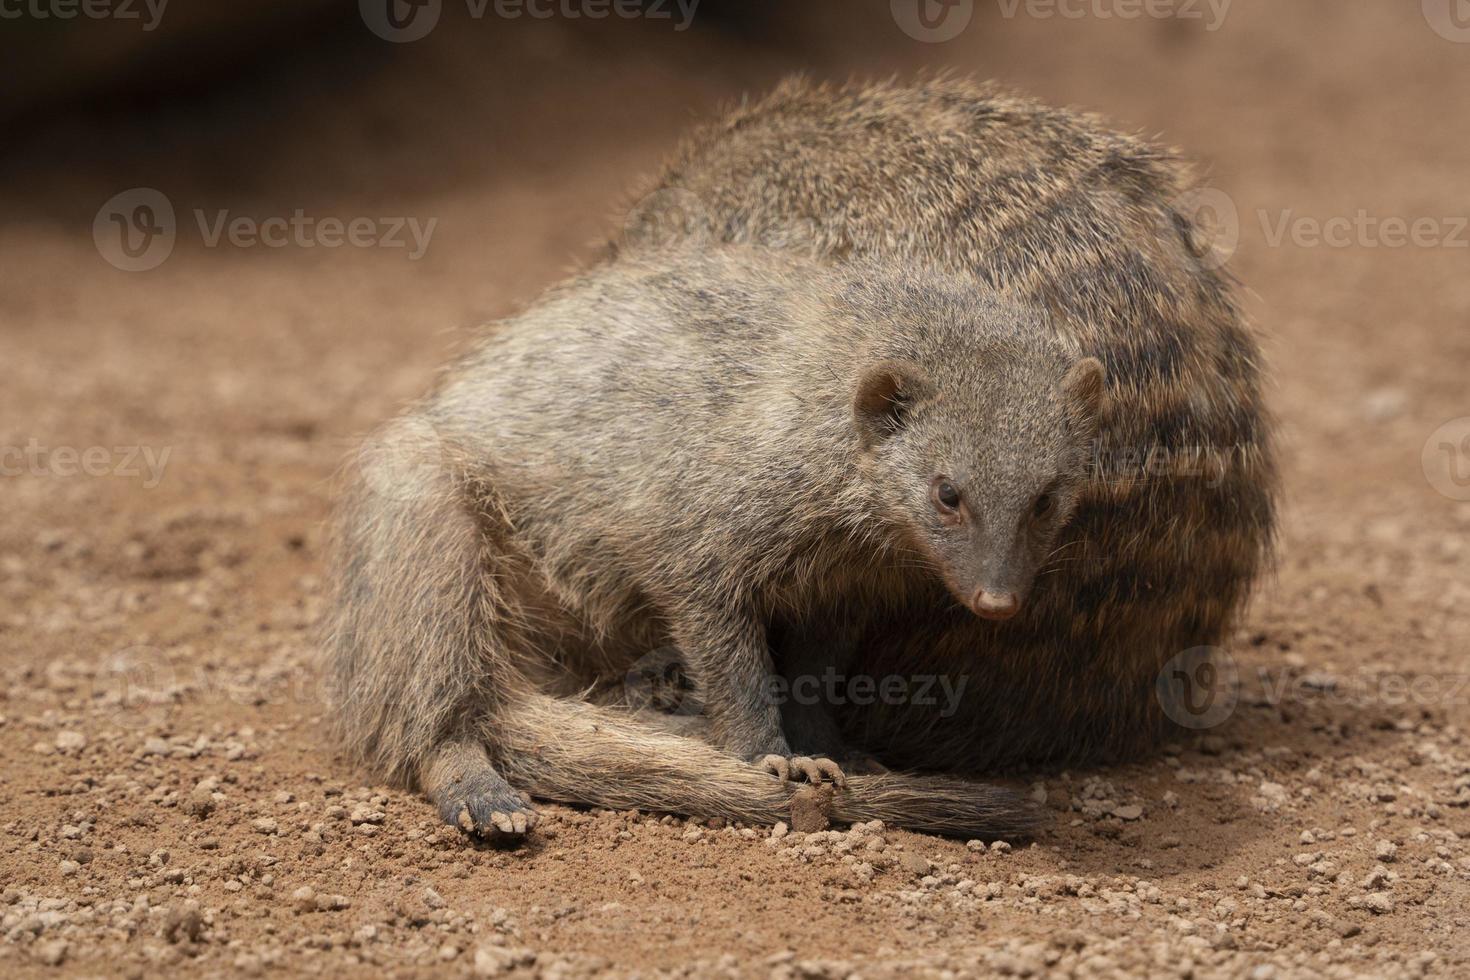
x=169, y=803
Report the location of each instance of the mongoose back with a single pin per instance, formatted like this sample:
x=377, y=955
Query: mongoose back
x=1051, y=209
x=692, y=448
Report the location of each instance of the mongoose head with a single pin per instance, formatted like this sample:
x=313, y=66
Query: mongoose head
x=977, y=449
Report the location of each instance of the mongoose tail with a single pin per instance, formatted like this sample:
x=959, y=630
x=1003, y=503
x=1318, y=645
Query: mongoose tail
x=602, y=757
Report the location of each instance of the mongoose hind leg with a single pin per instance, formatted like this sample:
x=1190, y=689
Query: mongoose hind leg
x=472, y=796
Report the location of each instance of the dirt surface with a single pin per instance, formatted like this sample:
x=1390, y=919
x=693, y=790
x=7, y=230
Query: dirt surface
x=169, y=802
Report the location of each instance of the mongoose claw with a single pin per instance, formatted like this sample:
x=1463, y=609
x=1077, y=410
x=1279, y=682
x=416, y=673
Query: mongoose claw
x=802, y=769
x=816, y=769
x=778, y=766
x=512, y=823
x=495, y=816
x=496, y=824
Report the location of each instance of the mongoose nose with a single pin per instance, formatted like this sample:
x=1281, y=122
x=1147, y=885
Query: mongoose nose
x=996, y=605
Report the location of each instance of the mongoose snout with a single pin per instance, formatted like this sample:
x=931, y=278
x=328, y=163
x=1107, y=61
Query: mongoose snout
x=991, y=516
x=995, y=605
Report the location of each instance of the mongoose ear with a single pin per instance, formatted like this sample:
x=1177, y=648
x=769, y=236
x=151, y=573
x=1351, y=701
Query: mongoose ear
x=886, y=394
x=1083, y=387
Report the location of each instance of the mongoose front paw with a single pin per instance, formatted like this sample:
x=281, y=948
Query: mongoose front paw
x=803, y=769
x=486, y=808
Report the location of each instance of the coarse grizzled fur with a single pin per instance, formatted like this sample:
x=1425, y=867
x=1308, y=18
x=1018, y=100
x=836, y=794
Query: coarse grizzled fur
x=690, y=448
x=1052, y=209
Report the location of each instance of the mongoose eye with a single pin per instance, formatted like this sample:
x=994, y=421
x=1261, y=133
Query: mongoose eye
x=946, y=495
x=1044, y=505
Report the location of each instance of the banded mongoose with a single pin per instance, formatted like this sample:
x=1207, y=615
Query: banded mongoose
x=1051, y=209
x=692, y=448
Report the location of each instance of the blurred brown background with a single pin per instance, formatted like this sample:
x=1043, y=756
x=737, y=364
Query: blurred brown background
x=514, y=144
